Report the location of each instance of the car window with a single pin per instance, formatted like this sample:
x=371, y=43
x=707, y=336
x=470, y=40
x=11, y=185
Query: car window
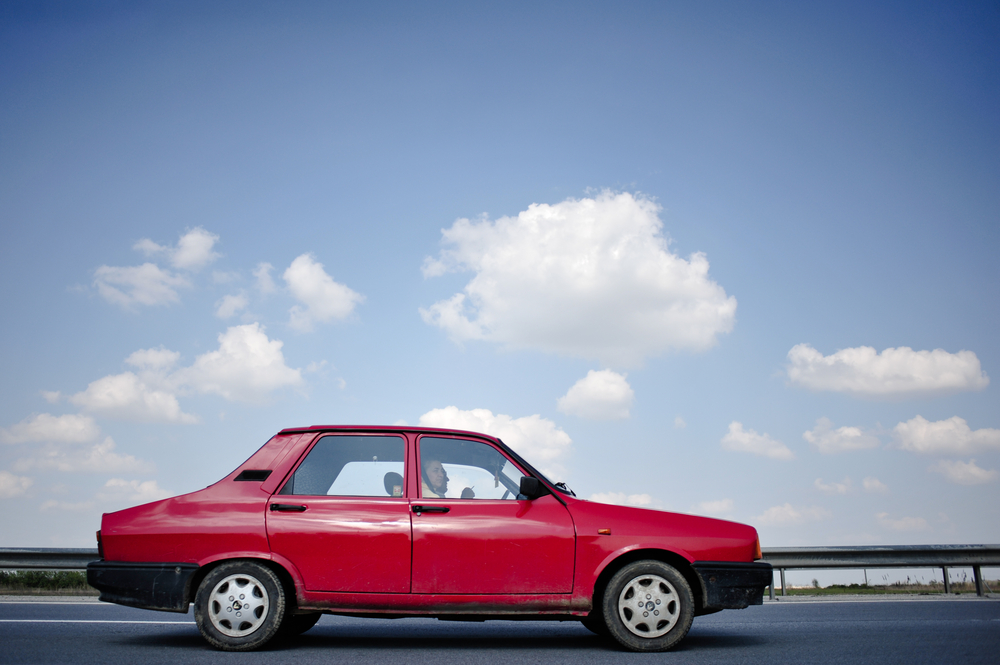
x=351, y=466
x=463, y=469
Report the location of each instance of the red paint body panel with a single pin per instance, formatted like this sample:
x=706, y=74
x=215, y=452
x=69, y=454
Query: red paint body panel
x=493, y=547
x=374, y=555
x=345, y=544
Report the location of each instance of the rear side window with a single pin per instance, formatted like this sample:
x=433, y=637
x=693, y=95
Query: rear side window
x=351, y=466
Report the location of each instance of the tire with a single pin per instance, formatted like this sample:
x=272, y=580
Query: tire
x=661, y=619
x=296, y=624
x=240, y=606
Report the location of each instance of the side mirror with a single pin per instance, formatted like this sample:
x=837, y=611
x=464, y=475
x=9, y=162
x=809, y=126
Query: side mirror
x=532, y=488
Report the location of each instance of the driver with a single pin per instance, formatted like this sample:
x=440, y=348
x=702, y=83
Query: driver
x=434, y=481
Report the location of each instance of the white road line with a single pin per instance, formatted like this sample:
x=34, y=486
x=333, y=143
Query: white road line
x=180, y=623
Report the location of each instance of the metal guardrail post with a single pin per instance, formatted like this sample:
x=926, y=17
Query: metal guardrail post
x=978, y=576
x=782, y=571
x=947, y=580
x=770, y=588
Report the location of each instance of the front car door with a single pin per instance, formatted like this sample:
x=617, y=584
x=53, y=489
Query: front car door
x=341, y=518
x=471, y=534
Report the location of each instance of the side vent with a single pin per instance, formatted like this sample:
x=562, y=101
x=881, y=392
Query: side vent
x=254, y=475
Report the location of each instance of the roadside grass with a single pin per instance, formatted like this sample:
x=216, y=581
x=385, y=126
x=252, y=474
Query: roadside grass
x=45, y=583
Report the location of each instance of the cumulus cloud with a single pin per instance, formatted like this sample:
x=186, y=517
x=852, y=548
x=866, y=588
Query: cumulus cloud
x=153, y=359
x=265, y=283
x=874, y=485
x=591, y=278
x=946, y=437
x=834, y=488
x=127, y=397
x=603, y=395
x=100, y=458
x=147, y=284
x=132, y=491
x=964, y=473
x=12, y=486
x=827, y=440
x=679, y=423
x=716, y=508
x=899, y=372
x=231, y=305
x=71, y=428
x=324, y=299
x=622, y=499
x=749, y=441
x=901, y=524
x=192, y=252
x=537, y=439
x=789, y=515
x=246, y=367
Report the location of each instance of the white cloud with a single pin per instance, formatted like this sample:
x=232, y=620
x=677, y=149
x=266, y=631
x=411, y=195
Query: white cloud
x=603, y=395
x=12, y=486
x=749, y=441
x=622, y=499
x=834, y=488
x=789, y=515
x=193, y=250
x=964, y=473
x=126, y=397
x=71, y=428
x=896, y=372
x=535, y=438
x=715, y=508
x=231, y=305
x=246, y=367
x=827, y=440
x=679, y=423
x=324, y=299
x=52, y=396
x=158, y=359
x=147, y=284
x=132, y=491
x=100, y=458
x=591, y=278
x=264, y=281
x=901, y=524
x=874, y=485
x=947, y=437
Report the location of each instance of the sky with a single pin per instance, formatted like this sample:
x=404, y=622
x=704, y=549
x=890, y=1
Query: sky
x=731, y=259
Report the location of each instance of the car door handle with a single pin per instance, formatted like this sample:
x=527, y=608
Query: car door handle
x=430, y=509
x=288, y=508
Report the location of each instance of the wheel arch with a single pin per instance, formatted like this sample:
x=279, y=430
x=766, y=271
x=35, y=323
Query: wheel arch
x=682, y=565
x=284, y=576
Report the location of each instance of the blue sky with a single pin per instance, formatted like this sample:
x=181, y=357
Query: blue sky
x=693, y=231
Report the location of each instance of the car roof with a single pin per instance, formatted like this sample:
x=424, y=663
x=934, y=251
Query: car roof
x=385, y=428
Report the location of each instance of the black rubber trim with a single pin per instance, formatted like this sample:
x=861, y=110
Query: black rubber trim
x=733, y=586
x=253, y=475
x=151, y=586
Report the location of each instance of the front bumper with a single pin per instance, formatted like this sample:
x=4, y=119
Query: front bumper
x=733, y=586
x=151, y=586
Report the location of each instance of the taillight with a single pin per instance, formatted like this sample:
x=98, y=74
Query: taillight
x=757, y=554
x=100, y=545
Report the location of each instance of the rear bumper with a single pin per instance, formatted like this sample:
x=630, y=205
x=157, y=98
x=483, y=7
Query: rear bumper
x=733, y=586
x=151, y=586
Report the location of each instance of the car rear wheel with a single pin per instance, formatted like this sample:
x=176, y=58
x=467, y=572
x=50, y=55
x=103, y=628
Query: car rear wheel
x=239, y=606
x=648, y=606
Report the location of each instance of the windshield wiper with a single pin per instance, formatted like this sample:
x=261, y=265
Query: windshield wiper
x=563, y=487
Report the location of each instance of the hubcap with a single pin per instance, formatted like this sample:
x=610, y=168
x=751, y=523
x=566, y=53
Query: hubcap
x=238, y=605
x=649, y=606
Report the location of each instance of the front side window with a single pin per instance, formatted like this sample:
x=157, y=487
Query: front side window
x=462, y=469
x=351, y=466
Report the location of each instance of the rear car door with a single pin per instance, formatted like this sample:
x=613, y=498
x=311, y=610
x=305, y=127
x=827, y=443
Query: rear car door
x=341, y=518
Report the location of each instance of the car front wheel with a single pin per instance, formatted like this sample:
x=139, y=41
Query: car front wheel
x=239, y=606
x=648, y=606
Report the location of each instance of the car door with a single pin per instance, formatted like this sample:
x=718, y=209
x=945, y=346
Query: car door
x=341, y=517
x=488, y=542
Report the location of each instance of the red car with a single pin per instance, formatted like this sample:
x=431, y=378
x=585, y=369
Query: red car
x=405, y=522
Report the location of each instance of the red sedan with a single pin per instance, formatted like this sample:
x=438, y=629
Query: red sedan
x=402, y=522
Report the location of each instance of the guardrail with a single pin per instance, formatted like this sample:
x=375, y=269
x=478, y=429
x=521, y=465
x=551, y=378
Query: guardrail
x=900, y=556
x=781, y=558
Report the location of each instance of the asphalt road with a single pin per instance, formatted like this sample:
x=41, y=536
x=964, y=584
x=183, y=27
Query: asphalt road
x=913, y=631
